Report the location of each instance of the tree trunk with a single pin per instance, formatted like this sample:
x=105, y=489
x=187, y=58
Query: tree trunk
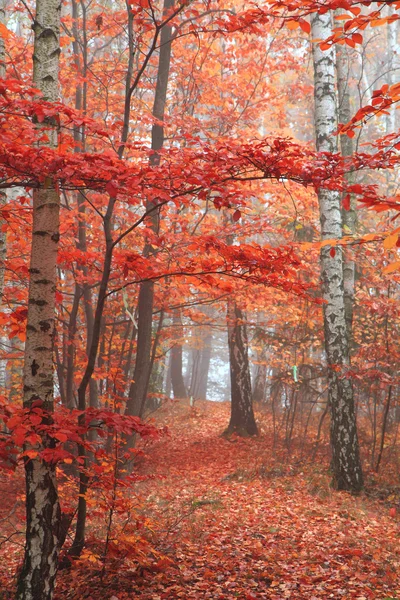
x=200, y=366
x=392, y=49
x=178, y=384
x=242, y=421
x=346, y=465
x=349, y=217
x=260, y=378
x=37, y=577
x=204, y=367
x=168, y=383
x=146, y=291
x=193, y=388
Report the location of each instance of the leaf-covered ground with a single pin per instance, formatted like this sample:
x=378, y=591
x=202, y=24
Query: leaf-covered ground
x=227, y=519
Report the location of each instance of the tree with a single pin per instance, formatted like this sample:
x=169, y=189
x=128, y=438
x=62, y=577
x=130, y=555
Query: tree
x=43, y=514
x=178, y=384
x=242, y=421
x=141, y=375
x=346, y=465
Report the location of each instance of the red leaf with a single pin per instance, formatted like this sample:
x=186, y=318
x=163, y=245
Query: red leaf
x=111, y=189
x=60, y=436
x=393, y=512
x=346, y=202
x=236, y=215
x=332, y=252
x=305, y=26
x=325, y=46
x=35, y=419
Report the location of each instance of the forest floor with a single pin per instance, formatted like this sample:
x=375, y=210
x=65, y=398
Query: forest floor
x=226, y=519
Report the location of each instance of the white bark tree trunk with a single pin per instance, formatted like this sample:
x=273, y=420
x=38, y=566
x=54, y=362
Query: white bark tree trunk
x=392, y=48
x=37, y=577
x=346, y=465
x=349, y=216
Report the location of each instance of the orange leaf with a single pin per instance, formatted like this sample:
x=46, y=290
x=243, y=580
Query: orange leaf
x=390, y=241
x=392, y=267
x=292, y=24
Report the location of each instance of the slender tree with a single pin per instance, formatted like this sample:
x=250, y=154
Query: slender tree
x=349, y=217
x=43, y=515
x=346, y=465
x=146, y=290
x=242, y=421
x=178, y=384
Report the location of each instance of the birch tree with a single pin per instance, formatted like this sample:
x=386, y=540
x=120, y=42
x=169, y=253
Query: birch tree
x=37, y=576
x=137, y=391
x=349, y=216
x=346, y=465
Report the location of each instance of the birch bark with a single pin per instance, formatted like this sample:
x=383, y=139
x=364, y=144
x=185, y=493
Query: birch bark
x=349, y=216
x=37, y=577
x=392, y=29
x=346, y=465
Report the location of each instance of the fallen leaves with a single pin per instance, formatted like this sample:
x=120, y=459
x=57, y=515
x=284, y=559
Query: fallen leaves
x=229, y=519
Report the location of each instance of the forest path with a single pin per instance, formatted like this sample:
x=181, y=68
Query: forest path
x=237, y=522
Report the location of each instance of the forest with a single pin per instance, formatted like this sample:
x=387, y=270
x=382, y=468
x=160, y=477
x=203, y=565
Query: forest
x=199, y=299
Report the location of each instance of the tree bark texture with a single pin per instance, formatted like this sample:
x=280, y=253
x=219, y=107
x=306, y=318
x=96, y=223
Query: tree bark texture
x=346, y=465
x=242, y=421
x=349, y=217
x=37, y=577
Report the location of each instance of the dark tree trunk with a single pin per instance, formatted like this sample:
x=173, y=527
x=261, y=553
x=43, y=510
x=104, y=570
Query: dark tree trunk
x=177, y=381
x=146, y=292
x=143, y=348
x=242, y=421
